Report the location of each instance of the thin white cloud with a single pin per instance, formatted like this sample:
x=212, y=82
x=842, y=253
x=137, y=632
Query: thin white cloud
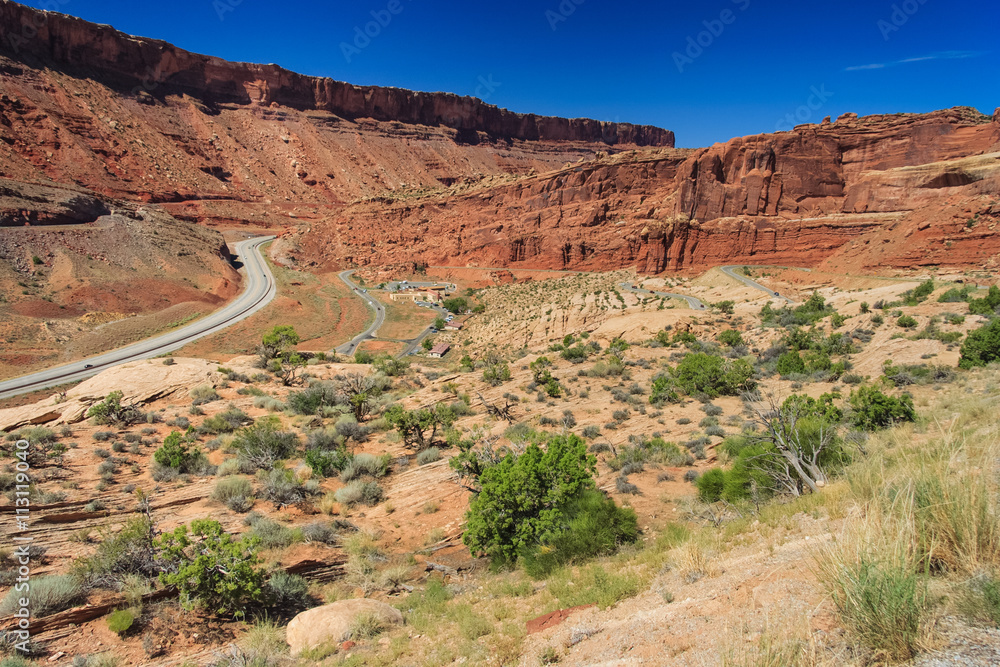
x=943, y=55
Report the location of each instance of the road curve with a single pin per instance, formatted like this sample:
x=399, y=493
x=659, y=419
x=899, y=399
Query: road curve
x=350, y=346
x=259, y=290
x=695, y=304
x=731, y=272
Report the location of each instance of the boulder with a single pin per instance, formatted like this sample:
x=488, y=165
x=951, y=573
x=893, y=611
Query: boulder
x=140, y=382
x=332, y=622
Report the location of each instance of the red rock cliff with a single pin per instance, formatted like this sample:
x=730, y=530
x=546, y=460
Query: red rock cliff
x=862, y=192
x=100, y=51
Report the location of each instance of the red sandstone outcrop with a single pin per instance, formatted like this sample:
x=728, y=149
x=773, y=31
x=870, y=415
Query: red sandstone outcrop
x=146, y=65
x=896, y=190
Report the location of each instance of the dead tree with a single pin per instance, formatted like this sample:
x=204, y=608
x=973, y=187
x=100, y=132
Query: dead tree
x=497, y=411
x=795, y=461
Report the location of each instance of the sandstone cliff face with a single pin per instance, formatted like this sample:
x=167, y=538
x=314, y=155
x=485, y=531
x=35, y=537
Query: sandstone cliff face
x=152, y=64
x=897, y=190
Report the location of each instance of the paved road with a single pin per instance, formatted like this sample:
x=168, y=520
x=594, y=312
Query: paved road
x=731, y=271
x=351, y=346
x=260, y=289
x=696, y=304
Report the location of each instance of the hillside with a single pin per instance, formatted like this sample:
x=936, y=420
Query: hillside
x=736, y=581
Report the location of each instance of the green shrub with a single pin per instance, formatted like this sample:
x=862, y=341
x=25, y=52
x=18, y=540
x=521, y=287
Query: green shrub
x=701, y=374
x=328, y=463
x=594, y=526
x=731, y=337
x=288, y=591
x=988, y=305
x=234, y=492
x=906, y=322
x=359, y=492
x=121, y=621
x=262, y=445
x=789, y=363
x=179, y=454
x=525, y=501
x=663, y=391
x=981, y=346
x=428, y=456
x=213, y=569
x=111, y=411
x=873, y=410
x=711, y=484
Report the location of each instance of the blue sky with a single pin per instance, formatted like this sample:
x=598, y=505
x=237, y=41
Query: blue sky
x=708, y=71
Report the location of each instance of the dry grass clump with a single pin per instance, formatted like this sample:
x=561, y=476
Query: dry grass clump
x=925, y=509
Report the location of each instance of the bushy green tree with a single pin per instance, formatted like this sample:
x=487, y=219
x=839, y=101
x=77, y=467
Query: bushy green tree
x=873, y=410
x=540, y=372
x=981, y=346
x=527, y=503
x=495, y=370
x=276, y=342
x=419, y=428
x=663, y=391
x=456, y=304
x=212, y=569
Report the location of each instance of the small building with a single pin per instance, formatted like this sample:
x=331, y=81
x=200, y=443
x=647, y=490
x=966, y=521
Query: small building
x=454, y=325
x=439, y=350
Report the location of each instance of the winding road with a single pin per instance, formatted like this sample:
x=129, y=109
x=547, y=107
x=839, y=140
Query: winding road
x=259, y=290
x=731, y=272
x=695, y=304
x=350, y=346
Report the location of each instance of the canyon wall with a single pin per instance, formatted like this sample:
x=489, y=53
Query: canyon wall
x=896, y=190
x=145, y=65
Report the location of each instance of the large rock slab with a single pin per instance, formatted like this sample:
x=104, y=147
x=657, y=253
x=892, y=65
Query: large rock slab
x=332, y=622
x=140, y=382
